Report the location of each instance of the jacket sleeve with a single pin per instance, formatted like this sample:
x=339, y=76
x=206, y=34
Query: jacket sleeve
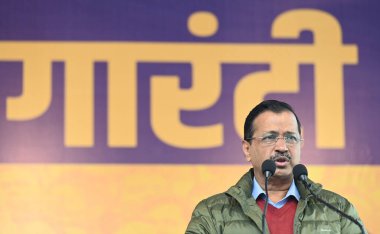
x=201, y=221
x=347, y=225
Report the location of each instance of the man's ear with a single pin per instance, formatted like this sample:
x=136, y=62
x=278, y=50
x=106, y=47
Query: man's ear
x=246, y=146
x=302, y=142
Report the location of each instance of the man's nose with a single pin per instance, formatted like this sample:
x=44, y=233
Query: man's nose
x=281, y=144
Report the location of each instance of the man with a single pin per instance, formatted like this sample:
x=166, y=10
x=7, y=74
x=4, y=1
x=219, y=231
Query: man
x=272, y=131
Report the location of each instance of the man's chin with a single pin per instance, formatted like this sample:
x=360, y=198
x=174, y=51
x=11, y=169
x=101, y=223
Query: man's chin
x=283, y=172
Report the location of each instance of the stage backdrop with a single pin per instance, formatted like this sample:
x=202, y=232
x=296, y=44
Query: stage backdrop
x=119, y=116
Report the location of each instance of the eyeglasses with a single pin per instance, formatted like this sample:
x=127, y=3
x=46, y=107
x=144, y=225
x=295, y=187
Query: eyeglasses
x=272, y=139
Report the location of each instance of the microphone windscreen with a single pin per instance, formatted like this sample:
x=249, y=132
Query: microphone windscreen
x=268, y=165
x=299, y=170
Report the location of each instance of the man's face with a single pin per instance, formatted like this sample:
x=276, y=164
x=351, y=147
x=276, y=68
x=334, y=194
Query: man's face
x=270, y=125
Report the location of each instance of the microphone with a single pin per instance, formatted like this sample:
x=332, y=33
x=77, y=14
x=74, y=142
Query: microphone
x=300, y=173
x=268, y=168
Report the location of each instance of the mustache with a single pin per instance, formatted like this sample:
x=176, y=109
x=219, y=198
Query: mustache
x=280, y=155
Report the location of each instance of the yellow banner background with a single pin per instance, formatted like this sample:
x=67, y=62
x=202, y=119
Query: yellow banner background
x=155, y=199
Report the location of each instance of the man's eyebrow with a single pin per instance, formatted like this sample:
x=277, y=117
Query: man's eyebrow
x=272, y=132
x=277, y=133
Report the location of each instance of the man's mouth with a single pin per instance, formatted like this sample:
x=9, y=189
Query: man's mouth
x=281, y=160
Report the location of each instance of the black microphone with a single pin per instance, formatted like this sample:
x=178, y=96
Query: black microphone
x=300, y=173
x=268, y=168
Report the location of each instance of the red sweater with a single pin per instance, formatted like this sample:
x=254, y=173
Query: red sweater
x=280, y=220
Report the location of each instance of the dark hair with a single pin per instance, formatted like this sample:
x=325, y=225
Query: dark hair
x=267, y=105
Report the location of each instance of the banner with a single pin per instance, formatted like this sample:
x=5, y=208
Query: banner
x=118, y=117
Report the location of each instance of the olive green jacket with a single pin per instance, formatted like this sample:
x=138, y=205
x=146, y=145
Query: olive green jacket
x=236, y=212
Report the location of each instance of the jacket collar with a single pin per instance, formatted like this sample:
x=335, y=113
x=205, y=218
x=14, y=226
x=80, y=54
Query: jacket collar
x=244, y=187
x=242, y=194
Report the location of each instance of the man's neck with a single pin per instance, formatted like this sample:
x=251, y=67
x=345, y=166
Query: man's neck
x=277, y=186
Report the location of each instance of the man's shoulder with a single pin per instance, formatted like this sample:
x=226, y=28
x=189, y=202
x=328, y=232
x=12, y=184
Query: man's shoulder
x=334, y=199
x=327, y=195
x=217, y=200
x=331, y=196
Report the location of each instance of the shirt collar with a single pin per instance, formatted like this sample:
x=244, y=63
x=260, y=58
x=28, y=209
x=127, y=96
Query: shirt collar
x=257, y=190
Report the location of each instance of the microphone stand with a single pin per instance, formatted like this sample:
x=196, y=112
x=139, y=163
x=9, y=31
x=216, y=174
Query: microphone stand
x=268, y=167
x=266, y=203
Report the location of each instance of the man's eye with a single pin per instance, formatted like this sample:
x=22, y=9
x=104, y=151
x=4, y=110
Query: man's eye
x=269, y=138
x=292, y=138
